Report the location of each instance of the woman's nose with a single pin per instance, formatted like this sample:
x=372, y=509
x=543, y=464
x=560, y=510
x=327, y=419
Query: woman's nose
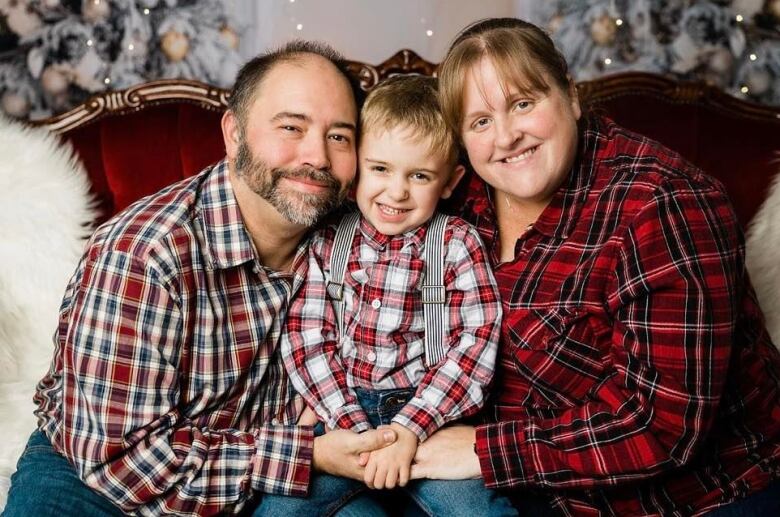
x=506, y=134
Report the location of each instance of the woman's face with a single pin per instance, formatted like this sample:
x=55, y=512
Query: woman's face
x=520, y=144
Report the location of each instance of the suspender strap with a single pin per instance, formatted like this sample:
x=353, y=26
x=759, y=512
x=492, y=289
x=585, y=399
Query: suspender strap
x=433, y=293
x=342, y=244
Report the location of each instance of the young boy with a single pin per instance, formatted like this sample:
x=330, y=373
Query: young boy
x=355, y=342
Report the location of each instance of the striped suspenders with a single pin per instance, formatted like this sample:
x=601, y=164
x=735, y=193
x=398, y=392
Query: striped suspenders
x=433, y=293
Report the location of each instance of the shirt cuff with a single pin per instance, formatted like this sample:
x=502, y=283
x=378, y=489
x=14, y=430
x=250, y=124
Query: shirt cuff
x=351, y=417
x=282, y=461
x=502, y=452
x=419, y=417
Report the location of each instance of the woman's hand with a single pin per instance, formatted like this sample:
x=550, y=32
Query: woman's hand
x=448, y=454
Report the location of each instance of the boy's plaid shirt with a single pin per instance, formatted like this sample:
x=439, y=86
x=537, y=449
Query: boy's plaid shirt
x=383, y=320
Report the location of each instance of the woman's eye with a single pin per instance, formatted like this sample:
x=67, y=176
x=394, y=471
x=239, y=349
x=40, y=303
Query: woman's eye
x=378, y=168
x=481, y=122
x=522, y=105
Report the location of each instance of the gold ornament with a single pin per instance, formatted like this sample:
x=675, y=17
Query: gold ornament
x=603, y=30
x=95, y=11
x=175, y=45
x=15, y=105
x=54, y=79
x=229, y=36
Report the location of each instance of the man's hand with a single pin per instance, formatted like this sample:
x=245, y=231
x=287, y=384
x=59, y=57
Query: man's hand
x=390, y=467
x=338, y=451
x=448, y=454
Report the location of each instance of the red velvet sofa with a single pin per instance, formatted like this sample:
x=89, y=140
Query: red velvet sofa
x=134, y=142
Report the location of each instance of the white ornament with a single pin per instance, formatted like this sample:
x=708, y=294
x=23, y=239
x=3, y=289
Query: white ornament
x=51, y=4
x=54, y=79
x=95, y=11
x=175, y=45
x=15, y=105
x=89, y=72
x=603, y=30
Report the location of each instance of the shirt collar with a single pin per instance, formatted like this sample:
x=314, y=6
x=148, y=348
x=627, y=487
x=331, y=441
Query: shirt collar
x=379, y=241
x=227, y=241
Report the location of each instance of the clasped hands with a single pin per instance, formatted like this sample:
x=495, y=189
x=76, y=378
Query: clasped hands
x=389, y=456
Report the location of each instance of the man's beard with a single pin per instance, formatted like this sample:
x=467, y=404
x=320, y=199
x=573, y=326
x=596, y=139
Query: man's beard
x=297, y=207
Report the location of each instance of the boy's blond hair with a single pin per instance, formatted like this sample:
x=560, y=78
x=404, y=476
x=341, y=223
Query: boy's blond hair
x=410, y=101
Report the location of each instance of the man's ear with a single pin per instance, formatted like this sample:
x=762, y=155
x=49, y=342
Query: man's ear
x=455, y=176
x=231, y=134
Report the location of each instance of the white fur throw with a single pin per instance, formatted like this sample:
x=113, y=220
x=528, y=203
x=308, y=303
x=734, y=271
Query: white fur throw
x=46, y=212
x=763, y=258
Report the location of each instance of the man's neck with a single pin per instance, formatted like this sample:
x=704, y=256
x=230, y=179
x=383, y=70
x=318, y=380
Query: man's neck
x=275, y=238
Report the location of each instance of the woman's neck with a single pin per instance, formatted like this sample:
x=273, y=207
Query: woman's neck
x=515, y=217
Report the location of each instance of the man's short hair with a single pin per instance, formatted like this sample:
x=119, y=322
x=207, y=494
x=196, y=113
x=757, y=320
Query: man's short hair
x=410, y=101
x=251, y=75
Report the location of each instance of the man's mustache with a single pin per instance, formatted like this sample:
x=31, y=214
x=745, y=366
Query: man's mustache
x=310, y=173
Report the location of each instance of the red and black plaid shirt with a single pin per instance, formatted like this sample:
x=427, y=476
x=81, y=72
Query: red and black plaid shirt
x=635, y=373
x=166, y=390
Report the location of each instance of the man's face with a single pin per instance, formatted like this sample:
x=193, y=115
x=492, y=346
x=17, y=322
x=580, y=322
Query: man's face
x=296, y=148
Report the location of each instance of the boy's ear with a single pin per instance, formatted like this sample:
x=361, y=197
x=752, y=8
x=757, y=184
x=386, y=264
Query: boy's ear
x=455, y=177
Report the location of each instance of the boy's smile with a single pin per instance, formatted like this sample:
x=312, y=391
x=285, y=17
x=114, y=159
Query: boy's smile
x=401, y=179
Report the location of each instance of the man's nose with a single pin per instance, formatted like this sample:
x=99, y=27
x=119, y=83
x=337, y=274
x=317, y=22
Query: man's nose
x=315, y=152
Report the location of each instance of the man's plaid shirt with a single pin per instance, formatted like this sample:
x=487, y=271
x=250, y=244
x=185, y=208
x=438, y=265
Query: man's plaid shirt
x=384, y=329
x=166, y=389
x=636, y=373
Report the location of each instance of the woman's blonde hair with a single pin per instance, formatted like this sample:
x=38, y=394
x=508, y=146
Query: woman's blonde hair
x=522, y=53
x=410, y=101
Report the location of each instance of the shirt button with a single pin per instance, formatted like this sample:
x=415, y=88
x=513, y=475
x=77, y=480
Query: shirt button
x=275, y=421
x=376, y=304
x=371, y=356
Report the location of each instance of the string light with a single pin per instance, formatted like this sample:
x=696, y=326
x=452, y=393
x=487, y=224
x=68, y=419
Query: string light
x=429, y=32
x=130, y=46
x=107, y=80
x=739, y=18
x=744, y=89
x=146, y=12
x=753, y=57
x=299, y=26
x=89, y=42
x=619, y=22
x=608, y=61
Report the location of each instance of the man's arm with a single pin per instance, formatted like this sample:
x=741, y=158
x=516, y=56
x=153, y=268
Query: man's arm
x=123, y=424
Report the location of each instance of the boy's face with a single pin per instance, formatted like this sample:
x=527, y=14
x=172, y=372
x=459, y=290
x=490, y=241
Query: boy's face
x=401, y=180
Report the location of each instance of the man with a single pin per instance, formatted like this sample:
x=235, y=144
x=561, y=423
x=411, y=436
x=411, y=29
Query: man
x=166, y=394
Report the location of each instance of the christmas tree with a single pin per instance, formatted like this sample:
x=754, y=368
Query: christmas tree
x=54, y=54
x=732, y=44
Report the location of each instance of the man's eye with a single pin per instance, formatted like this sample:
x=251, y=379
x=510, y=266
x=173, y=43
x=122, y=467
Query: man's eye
x=290, y=128
x=340, y=138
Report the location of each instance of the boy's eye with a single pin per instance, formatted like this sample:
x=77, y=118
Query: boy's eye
x=420, y=177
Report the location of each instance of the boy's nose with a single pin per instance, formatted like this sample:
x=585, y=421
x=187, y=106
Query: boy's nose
x=398, y=191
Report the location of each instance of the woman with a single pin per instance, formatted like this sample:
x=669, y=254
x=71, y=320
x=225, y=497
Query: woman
x=636, y=374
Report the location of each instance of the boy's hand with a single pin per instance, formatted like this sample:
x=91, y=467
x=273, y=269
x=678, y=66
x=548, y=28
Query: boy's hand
x=308, y=417
x=391, y=466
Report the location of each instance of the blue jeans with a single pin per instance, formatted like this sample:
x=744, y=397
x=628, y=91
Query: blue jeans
x=765, y=502
x=46, y=484
x=331, y=495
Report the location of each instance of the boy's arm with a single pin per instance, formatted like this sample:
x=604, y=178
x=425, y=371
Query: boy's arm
x=456, y=387
x=310, y=348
